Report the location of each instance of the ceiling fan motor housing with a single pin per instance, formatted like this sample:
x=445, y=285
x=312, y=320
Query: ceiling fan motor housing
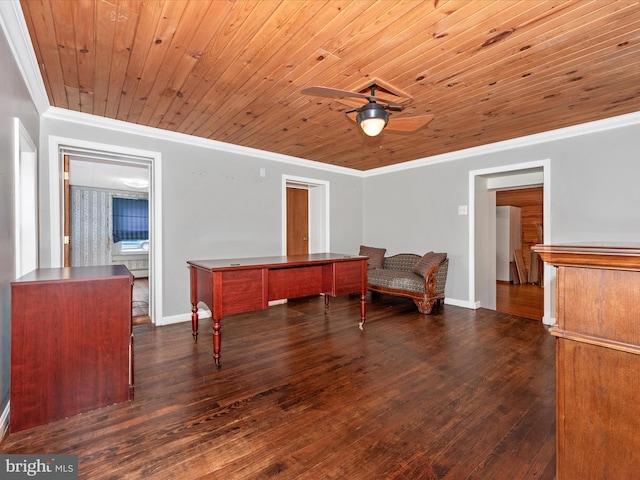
x=372, y=111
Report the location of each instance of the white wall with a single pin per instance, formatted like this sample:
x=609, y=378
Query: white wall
x=15, y=101
x=215, y=203
x=593, y=195
x=415, y=211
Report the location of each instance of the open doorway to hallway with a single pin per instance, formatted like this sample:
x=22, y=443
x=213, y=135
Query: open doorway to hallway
x=519, y=226
x=483, y=185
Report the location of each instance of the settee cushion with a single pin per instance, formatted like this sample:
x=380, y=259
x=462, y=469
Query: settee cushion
x=428, y=261
x=397, y=280
x=376, y=256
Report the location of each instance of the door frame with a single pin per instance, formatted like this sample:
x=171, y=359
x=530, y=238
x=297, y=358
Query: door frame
x=126, y=155
x=482, y=245
x=319, y=233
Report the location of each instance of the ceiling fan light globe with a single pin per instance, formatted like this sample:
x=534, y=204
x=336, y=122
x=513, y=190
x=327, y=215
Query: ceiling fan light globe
x=372, y=119
x=372, y=126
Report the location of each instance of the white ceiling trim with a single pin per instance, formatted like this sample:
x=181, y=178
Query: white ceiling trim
x=62, y=114
x=156, y=133
x=15, y=31
x=529, y=140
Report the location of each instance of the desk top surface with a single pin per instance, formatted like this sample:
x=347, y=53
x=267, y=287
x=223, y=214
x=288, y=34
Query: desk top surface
x=275, y=261
x=75, y=274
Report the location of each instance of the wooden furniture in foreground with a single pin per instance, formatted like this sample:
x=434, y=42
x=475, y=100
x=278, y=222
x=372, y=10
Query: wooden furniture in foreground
x=229, y=286
x=71, y=342
x=597, y=360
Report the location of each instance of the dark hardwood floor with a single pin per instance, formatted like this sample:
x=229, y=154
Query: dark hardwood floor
x=460, y=394
x=140, y=304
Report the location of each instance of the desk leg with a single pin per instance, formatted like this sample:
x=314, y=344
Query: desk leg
x=326, y=303
x=363, y=309
x=216, y=341
x=194, y=321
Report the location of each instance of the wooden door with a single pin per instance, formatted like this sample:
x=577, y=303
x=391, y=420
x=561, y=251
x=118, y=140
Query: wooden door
x=297, y=221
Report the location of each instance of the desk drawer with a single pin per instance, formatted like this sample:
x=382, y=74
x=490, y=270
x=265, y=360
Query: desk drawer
x=348, y=277
x=295, y=282
x=241, y=291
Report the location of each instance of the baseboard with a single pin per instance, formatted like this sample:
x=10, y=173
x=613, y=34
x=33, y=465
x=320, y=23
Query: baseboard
x=461, y=303
x=4, y=421
x=549, y=320
x=203, y=313
x=183, y=317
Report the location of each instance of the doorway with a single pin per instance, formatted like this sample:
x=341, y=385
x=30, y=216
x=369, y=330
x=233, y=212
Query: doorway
x=483, y=185
x=520, y=226
x=26, y=201
x=119, y=157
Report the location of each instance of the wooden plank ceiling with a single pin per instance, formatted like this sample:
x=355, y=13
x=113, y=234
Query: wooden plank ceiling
x=233, y=70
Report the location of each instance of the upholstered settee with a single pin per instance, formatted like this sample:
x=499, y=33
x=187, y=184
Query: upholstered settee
x=409, y=275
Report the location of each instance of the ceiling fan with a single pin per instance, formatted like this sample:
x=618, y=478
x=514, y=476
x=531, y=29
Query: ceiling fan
x=373, y=116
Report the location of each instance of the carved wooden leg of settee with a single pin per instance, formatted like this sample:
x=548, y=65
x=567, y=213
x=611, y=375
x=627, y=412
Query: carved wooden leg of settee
x=425, y=305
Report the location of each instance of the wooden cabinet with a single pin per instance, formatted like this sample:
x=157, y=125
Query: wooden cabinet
x=71, y=342
x=598, y=360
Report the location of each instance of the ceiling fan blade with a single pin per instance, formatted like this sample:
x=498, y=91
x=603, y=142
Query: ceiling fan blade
x=331, y=92
x=408, y=124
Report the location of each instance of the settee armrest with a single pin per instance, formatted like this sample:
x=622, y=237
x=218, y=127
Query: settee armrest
x=436, y=278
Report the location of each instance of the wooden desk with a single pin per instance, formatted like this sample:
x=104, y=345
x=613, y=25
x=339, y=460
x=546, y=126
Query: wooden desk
x=71, y=342
x=229, y=286
x=597, y=360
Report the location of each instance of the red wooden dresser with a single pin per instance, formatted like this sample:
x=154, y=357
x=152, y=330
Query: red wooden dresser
x=71, y=342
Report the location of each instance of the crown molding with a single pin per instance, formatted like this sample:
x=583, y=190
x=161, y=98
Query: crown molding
x=15, y=31
x=529, y=140
x=121, y=126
